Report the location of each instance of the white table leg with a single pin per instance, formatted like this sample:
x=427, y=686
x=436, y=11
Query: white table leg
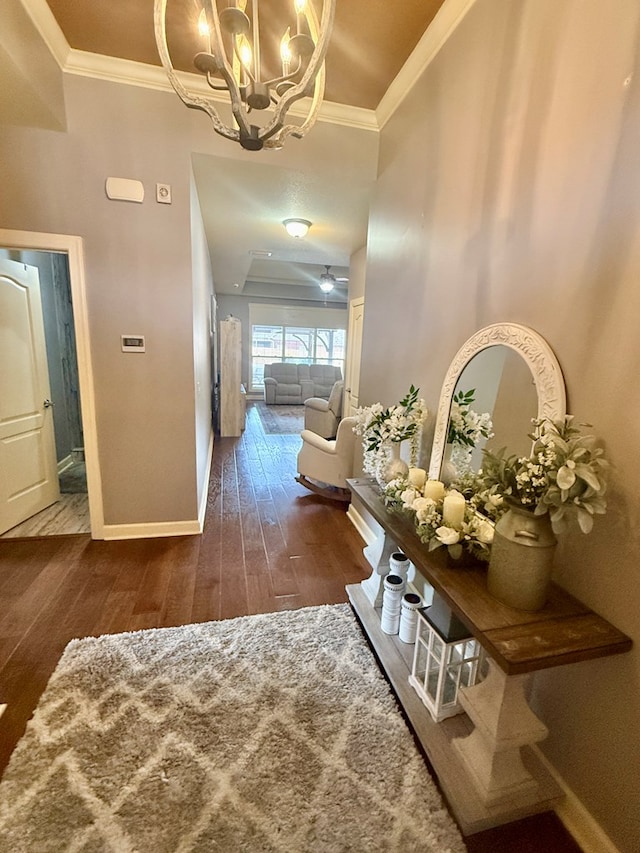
x=378, y=554
x=504, y=723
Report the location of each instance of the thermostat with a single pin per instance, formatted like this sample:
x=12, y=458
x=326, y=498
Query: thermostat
x=133, y=343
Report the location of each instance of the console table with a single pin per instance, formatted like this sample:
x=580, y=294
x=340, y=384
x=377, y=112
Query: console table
x=483, y=758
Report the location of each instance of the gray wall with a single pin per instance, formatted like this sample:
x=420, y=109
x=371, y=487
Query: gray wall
x=509, y=190
x=145, y=274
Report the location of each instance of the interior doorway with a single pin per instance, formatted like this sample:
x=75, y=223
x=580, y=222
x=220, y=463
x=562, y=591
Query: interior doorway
x=354, y=353
x=70, y=371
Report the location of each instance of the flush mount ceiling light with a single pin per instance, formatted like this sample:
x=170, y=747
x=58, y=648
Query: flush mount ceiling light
x=230, y=59
x=297, y=227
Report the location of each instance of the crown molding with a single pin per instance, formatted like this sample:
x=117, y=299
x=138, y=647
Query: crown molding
x=131, y=73
x=124, y=71
x=447, y=19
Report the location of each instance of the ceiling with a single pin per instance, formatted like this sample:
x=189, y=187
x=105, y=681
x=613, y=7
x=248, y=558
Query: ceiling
x=371, y=41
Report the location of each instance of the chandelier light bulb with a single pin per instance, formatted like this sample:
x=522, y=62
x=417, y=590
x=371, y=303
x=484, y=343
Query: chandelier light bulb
x=326, y=286
x=203, y=26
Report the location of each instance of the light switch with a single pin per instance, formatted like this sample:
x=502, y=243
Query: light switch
x=163, y=193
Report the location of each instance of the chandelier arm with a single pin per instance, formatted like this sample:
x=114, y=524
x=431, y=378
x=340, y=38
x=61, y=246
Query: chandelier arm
x=272, y=134
x=225, y=69
x=212, y=85
x=299, y=130
x=159, y=11
x=284, y=77
x=315, y=69
x=255, y=26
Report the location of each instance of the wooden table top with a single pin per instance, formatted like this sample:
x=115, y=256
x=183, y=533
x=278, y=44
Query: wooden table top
x=564, y=631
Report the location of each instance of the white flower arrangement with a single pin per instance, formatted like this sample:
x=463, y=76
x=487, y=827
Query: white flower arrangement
x=380, y=428
x=435, y=525
x=565, y=475
x=466, y=426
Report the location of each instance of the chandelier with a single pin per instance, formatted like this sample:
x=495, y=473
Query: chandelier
x=231, y=64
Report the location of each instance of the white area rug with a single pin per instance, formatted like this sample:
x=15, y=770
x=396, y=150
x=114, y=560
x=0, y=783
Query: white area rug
x=264, y=733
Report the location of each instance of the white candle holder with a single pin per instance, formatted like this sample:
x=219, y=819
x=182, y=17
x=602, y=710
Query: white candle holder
x=399, y=564
x=443, y=661
x=394, y=587
x=411, y=603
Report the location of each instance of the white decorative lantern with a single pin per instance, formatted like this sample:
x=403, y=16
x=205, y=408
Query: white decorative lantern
x=446, y=658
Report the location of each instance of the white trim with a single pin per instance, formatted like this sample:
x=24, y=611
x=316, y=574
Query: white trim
x=152, y=530
x=447, y=19
x=3, y=708
x=205, y=492
x=584, y=828
x=73, y=248
x=128, y=72
x=114, y=69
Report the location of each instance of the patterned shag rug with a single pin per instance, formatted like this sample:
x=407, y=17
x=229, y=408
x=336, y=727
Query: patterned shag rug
x=269, y=733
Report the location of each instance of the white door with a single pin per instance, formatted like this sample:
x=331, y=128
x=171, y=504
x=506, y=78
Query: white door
x=28, y=467
x=354, y=351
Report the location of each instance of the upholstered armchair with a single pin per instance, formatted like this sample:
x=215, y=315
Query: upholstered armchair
x=323, y=416
x=324, y=466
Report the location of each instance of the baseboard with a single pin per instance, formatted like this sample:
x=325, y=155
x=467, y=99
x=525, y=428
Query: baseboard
x=166, y=528
x=152, y=530
x=576, y=819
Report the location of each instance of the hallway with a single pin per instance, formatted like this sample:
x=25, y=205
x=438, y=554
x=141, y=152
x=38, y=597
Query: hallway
x=268, y=545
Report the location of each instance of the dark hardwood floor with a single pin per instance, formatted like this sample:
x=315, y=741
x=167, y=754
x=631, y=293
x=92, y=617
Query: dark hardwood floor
x=268, y=545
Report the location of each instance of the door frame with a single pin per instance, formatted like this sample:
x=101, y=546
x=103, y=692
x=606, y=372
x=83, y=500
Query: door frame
x=351, y=355
x=73, y=248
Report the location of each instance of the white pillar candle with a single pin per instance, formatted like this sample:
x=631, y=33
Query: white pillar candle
x=417, y=476
x=433, y=489
x=453, y=509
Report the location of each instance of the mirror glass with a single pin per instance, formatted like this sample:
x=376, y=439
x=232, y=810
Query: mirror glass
x=501, y=378
x=503, y=401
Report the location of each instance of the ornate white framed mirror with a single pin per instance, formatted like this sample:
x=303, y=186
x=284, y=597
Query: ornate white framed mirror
x=514, y=376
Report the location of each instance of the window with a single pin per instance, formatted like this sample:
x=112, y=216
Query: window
x=296, y=345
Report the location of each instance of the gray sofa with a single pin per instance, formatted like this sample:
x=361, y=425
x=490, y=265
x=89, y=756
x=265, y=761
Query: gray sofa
x=292, y=384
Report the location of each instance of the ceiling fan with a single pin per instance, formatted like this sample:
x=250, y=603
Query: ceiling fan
x=328, y=280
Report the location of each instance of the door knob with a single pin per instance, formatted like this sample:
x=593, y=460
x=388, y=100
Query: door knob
x=48, y=403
